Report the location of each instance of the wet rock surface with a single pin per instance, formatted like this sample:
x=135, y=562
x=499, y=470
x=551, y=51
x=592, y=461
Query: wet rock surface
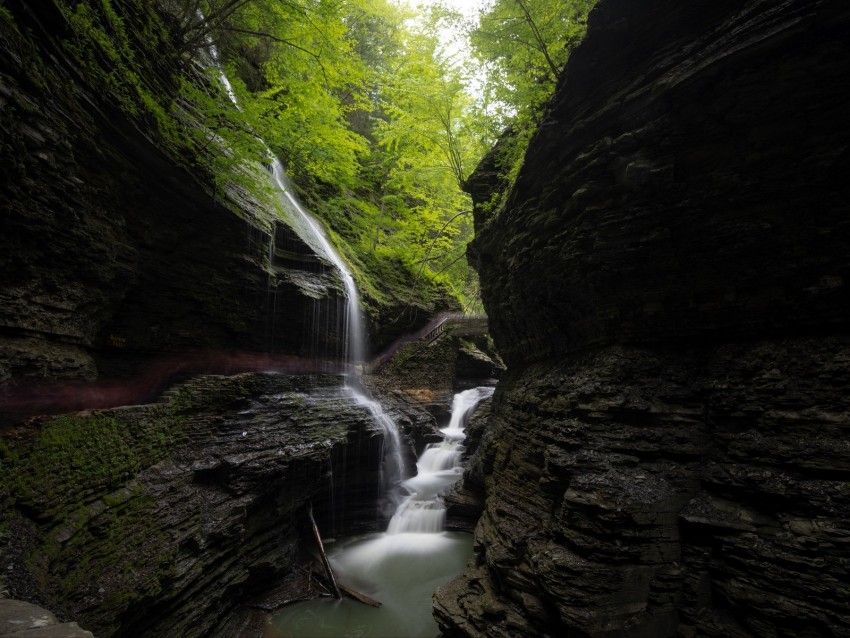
x=645, y=492
x=20, y=619
x=667, y=453
x=202, y=512
x=111, y=253
x=418, y=382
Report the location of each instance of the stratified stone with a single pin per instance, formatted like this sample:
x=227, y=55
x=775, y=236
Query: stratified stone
x=689, y=183
x=168, y=517
x=668, y=452
x=111, y=253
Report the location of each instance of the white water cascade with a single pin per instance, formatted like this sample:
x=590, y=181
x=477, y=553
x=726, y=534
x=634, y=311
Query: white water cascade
x=438, y=468
x=354, y=339
x=402, y=566
x=355, y=333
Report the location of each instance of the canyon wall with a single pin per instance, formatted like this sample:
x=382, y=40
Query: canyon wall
x=119, y=259
x=668, y=284
x=165, y=519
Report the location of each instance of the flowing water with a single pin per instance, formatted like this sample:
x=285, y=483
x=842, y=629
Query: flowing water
x=354, y=348
x=402, y=567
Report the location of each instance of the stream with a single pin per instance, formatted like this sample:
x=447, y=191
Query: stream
x=401, y=567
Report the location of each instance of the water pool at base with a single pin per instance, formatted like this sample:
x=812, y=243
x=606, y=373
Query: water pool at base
x=402, y=567
x=399, y=570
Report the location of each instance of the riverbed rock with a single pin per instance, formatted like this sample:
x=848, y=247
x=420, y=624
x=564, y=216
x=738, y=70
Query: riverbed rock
x=161, y=520
x=19, y=619
x=667, y=453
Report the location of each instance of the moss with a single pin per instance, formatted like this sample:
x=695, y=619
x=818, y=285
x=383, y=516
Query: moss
x=101, y=548
x=119, y=543
x=127, y=53
x=7, y=17
x=75, y=457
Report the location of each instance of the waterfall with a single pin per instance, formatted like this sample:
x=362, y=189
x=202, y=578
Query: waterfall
x=439, y=467
x=404, y=565
x=393, y=467
x=355, y=334
x=354, y=340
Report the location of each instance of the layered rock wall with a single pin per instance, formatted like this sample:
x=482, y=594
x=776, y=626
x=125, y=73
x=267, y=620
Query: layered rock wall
x=162, y=520
x=667, y=454
x=112, y=254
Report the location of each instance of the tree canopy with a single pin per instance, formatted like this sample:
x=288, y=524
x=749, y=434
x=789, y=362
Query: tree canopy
x=378, y=118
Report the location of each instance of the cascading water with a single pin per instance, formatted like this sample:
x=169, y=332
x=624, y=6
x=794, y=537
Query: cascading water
x=355, y=335
x=403, y=566
x=438, y=468
x=393, y=466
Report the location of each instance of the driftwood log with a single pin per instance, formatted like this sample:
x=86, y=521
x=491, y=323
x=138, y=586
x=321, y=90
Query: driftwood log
x=329, y=579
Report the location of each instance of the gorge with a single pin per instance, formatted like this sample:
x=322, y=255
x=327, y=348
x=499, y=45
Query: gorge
x=667, y=282
x=665, y=278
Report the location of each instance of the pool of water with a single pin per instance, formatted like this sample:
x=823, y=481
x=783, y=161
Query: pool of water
x=399, y=570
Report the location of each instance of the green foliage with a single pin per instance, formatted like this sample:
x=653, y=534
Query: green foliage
x=522, y=45
x=362, y=100
x=102, y=46
x=372, y=115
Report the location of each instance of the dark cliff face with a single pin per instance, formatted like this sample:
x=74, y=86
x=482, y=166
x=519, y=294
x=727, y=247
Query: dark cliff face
x=689, y=183
x=111, y=254
x=161, y=520
x=668, y=282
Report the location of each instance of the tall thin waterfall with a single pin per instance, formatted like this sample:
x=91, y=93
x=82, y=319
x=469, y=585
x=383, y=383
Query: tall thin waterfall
x=354, y=340
x=355, y=334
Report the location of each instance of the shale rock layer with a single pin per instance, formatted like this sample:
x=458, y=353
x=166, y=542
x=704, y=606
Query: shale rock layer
x=161, y=520
x=111, y=250
x=667, y=454
x=690, y=183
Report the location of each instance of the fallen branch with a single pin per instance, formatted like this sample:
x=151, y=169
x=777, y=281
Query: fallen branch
x=356, y=595
x=352, y=593
x=324, y=556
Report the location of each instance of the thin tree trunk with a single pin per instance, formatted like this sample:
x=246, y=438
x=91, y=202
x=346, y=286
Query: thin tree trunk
x=539, y=38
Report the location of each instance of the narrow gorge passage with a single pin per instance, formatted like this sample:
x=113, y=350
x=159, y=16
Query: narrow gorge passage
x=402, y=567
x=634, y=219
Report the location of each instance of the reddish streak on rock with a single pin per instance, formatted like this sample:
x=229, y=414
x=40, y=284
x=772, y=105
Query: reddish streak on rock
x=39, y=397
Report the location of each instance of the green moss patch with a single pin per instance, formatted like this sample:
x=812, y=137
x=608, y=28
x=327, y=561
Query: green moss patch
x=76, y=458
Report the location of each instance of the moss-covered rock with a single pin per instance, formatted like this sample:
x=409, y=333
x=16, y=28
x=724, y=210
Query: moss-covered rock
x=158, y=520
